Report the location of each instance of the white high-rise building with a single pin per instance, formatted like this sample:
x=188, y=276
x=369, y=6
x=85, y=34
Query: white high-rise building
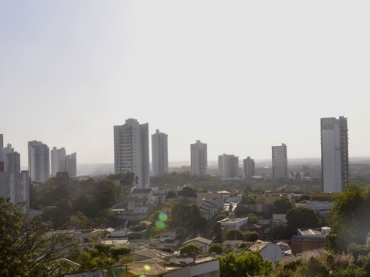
x=71, y=165
x=334, y=154
x=199, y=162
x=249, y=167
x=58, y=160
x=159, y=154
x=279, y=162
x=38, y=161
x=228, y=166
x=131, y=150
x=14, y=183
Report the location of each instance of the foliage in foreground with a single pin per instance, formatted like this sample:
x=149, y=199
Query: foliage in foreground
x=242, y=263
x=350, y=218
x=326, y=264
x=27, y=248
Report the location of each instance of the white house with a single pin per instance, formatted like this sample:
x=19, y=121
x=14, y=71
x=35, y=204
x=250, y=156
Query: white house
x=268, y=250
x=232, y=223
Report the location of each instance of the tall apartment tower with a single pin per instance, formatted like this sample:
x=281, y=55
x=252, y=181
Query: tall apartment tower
x=249, y=167
x=58, y=160
x=71, y=165
x=1, y=141
x=334, y=154
x=131, y=150
x=198, y=155
x=38, y=161
x=14, y=183
x=279, y=162
x=228, y=166
x=159, y=154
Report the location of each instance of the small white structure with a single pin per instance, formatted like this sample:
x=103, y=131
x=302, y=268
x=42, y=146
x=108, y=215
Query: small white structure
x=233, y=223
x=268, y=250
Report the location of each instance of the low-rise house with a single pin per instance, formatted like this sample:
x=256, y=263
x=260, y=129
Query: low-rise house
x=268, y=250
x=139, y=204
x=309, y=239
x=212, y=197
x=201, y=242
x=232, y=223
x=159, y=194
x=254, y=228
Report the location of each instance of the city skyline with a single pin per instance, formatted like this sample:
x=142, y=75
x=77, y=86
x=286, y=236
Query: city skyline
x=74, y=70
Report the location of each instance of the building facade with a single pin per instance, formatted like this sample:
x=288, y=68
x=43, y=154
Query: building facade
x=58, y=160
x=279, y=162
x=249, y=167
x=199, y=160
x=159, y=154
x=131, y=150
x=334, y=154
x=71, y=165
x=38, y=161
x=228, y=166
x=14, y=183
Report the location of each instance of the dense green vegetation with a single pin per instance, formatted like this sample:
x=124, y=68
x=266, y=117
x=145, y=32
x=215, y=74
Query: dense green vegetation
x=60, y=198
x=25, y=250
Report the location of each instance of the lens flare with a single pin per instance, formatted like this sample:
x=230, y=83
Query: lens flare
x=160, y=224
x=162, y=216
x=147, y=267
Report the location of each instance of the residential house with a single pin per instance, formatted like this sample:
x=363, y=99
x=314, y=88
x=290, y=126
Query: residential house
x=309, y=239
x=201, y=242
x=268, y=250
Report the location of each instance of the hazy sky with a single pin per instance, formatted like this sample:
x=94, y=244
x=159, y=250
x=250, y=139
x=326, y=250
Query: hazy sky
x=239, y=75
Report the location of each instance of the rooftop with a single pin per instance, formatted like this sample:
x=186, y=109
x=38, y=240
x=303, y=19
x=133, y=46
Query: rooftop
x=199, y=239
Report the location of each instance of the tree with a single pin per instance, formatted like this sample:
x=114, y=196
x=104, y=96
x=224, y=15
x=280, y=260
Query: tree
x=235, y=234
x=190, y=249
x=171, y=194
x=282, y=205
x=302, y=218
x=27, y=248
x=188, y=192
x=243, y=264
x=216, y=248
x=349, y=218
x=252, y=236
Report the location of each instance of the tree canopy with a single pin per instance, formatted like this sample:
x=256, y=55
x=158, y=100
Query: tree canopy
x=302, y=218
x=242, y=263
x=282, y=205
x=190, y=249
x=235, y=234
x=350, y=218
x=27, y=248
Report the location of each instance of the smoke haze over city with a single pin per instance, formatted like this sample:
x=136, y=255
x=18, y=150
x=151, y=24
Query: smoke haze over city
x=240, y=76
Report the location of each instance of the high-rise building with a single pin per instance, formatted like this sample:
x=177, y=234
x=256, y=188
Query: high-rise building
x=334, y=154
x=14, y=183
x=58, y=160
x=249, y=167
x=279, y=162
x=199, y=163
x=1, y=141
x=159, y=154
x=131, y=150
x=228, y=166
x=38, y=161
x=71, y=165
